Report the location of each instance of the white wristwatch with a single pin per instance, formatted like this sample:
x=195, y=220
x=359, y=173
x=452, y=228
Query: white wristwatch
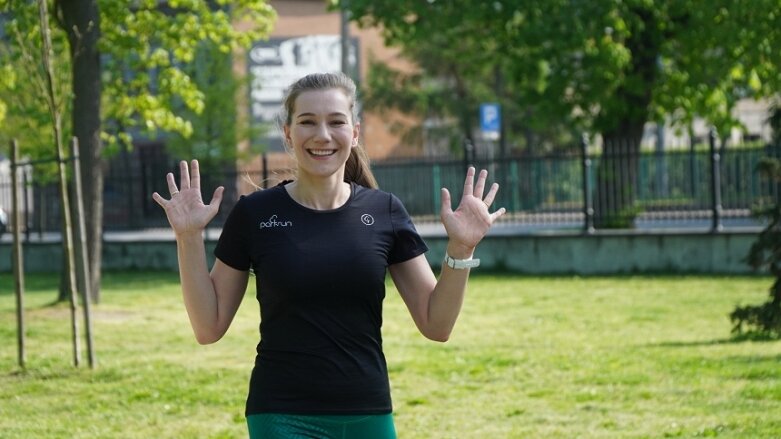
x=460, y=264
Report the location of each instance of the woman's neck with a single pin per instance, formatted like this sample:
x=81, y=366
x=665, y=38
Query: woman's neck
x=320, y=195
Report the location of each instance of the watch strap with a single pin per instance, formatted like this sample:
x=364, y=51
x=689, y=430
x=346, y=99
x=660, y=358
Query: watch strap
x=460, y=264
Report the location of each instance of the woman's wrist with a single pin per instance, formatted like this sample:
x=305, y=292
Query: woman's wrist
x=189, y=236
x=459, y=251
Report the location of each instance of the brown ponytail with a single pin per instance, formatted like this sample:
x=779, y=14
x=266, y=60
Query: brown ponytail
x=357, y=167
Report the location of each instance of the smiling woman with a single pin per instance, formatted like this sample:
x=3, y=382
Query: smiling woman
x=320, y=247
x=320, y=126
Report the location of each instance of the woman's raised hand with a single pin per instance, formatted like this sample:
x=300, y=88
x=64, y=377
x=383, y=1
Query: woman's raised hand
x=469, y=223
x=185, y=210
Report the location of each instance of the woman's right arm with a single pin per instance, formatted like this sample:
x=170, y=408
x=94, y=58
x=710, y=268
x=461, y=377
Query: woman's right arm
x=210, y=298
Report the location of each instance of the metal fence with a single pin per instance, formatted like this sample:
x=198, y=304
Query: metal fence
x=672, y=189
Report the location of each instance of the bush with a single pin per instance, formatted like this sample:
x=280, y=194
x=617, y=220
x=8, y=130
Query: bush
x=764, y=320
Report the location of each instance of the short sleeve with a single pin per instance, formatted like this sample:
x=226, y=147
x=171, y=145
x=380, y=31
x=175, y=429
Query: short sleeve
x=407, y=242
x=233, y=246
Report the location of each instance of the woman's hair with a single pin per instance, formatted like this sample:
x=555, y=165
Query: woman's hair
x=357, y=167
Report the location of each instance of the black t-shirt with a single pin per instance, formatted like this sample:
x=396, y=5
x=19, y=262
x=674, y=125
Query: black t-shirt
x=320, y=279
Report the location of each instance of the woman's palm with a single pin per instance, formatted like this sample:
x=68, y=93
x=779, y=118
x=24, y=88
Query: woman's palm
x=186, y=210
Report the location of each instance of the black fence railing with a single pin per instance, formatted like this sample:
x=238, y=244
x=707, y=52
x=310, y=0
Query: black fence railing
x=566, y=191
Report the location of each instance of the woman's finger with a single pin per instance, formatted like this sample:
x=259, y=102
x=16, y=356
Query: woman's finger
x=480, y=186
x=446, y=208
x=469, y=181
x=497, y=214
x=195, y=178
x=184, y=175
x=214, y=204
x=169, y=178
x=159, y=199
x=491, y=195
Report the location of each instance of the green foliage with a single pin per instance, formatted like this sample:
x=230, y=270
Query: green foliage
x=774, y=120
x=597, y=65
x=413, y=94
x=217, y=127
x=150, y=54
x=22, y=86
x=604, y=67
x=147, y=54
x=764, y=320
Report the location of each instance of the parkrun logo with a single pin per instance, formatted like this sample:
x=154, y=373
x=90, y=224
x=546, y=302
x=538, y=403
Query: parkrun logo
x=272, y=222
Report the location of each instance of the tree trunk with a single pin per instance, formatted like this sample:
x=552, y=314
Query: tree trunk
x=81, y=20
x=622, y=125
x=614, y=201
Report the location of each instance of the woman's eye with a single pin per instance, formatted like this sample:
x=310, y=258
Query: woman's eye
x=338, y=122
x=307, y=122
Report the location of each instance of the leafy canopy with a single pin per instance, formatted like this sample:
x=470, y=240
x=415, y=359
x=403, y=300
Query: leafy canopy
x=601, y=63
x=146, y=46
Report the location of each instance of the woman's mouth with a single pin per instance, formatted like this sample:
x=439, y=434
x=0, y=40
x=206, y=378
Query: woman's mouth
x=321, y=152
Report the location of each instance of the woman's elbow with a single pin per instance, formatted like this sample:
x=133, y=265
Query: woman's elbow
x=207, y=337
x=439, y=336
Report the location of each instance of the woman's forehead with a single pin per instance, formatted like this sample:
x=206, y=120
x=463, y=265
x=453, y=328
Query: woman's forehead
x=332, y=100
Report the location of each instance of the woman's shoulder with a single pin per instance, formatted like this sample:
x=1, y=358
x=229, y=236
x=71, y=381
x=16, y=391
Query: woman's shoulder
x=371, y=193
x=378, y=197
x=260, y=197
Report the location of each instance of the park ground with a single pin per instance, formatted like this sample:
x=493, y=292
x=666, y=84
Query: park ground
x=531, y=357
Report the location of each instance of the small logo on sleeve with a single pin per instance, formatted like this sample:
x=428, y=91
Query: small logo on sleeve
x=273, y=222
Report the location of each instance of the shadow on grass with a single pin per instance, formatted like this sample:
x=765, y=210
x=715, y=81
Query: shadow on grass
x=33, y=283
x=50, y=282
x=737, y=338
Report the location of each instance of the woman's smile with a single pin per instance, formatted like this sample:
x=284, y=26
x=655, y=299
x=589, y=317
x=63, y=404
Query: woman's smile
x=321, y=152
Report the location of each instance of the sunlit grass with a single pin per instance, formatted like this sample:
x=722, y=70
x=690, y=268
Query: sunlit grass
x=530, y=358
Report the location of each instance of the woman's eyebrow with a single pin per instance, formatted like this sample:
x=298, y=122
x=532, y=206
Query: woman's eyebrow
x=335, y=113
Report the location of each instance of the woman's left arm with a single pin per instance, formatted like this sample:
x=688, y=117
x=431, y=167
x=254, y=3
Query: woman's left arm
x=435, y=303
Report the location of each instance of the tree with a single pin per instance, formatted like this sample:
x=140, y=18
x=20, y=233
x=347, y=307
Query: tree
x=606, y=66
x=128, y=69
x=23, y=89
x=765, y=253
x=456, y=69
x=219, y=127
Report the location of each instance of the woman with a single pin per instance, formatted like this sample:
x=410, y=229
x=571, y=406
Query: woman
x=319, y=247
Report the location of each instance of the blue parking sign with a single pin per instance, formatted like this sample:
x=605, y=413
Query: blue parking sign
x=490, y=120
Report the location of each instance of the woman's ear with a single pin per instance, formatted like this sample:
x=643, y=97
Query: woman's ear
x=356, y=133
x=288, y=142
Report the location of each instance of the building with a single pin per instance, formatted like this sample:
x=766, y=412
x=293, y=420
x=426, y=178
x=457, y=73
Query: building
x=307, y=38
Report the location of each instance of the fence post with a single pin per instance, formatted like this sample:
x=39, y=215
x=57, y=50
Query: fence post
x=26, y=202
x=437, y=183
x=588, y=203
x=17, y=254
x=715, y=181
x=469, y=149
x=515, y=204
x=83, y=261
x=264, y=160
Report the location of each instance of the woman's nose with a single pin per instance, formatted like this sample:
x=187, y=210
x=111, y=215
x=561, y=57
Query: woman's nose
x=322, y=133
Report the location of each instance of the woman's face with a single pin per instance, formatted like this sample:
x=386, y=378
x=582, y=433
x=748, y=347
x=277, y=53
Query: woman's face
x=321, y=132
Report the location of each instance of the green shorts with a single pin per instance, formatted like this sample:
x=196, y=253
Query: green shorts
x=284, y=426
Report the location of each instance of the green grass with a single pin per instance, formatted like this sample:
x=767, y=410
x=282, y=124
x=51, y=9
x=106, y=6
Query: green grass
x=624, y=357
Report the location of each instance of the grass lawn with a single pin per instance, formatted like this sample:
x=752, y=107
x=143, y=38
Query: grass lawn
x=531, y=357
